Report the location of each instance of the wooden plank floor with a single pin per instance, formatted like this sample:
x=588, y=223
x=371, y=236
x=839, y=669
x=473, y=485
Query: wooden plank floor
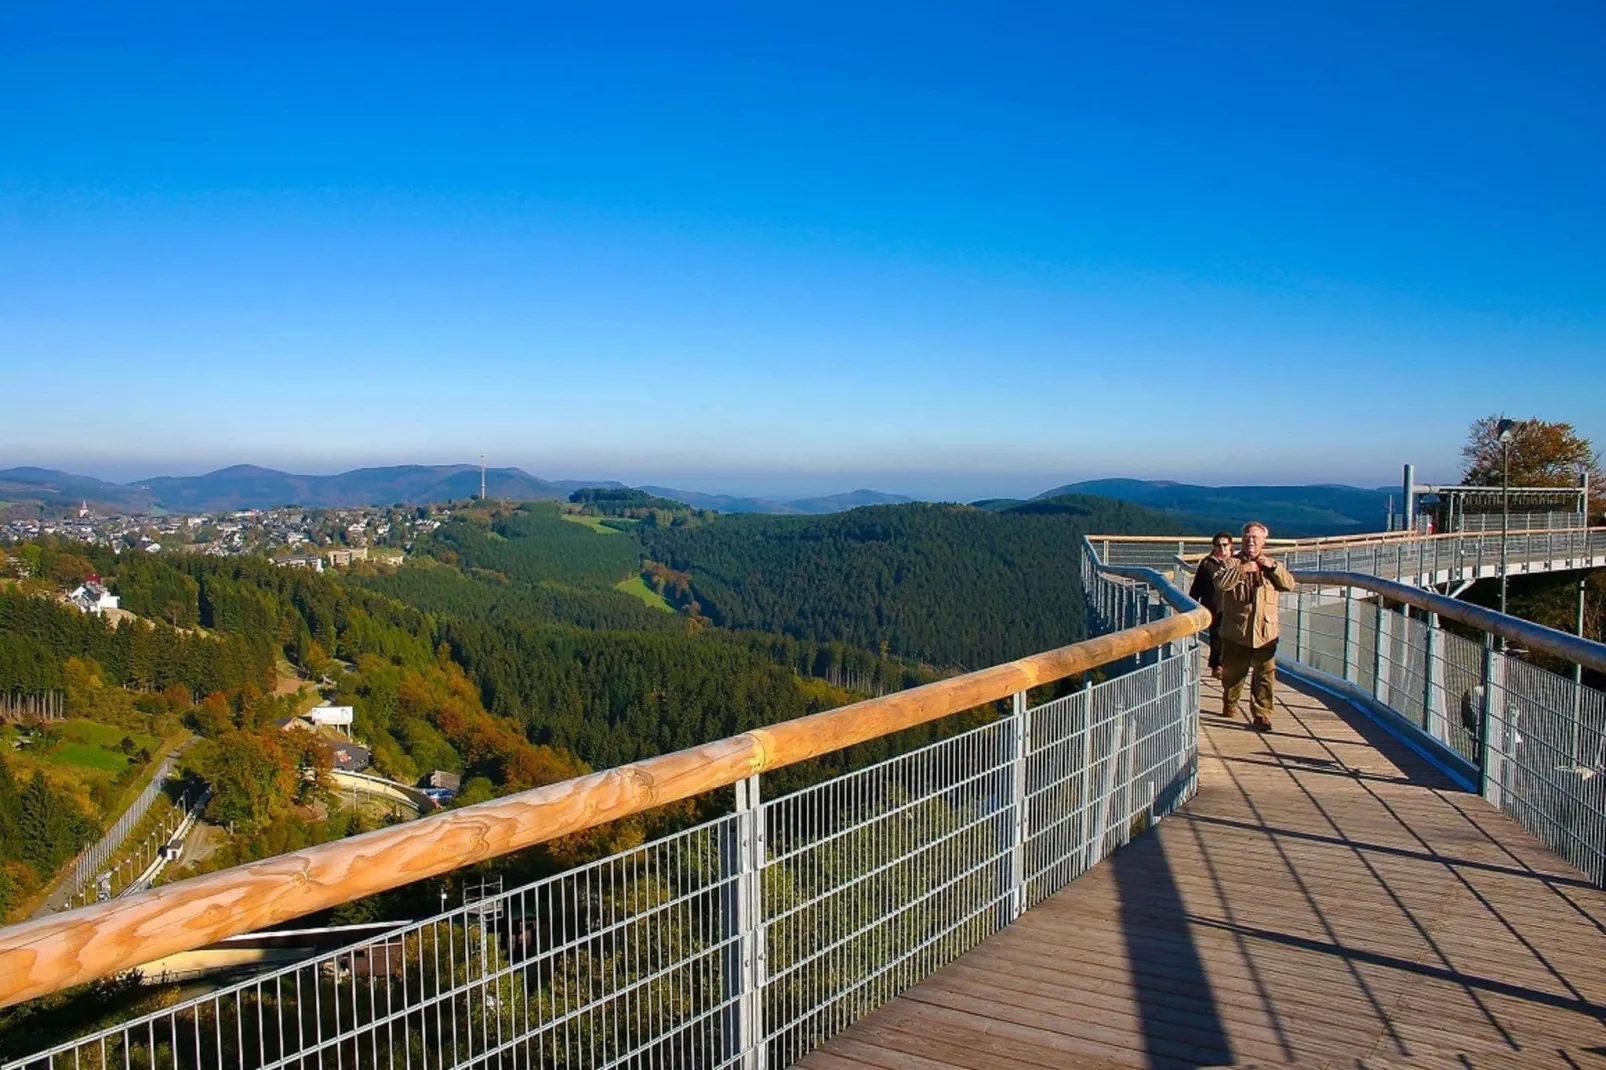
x=1327, y=899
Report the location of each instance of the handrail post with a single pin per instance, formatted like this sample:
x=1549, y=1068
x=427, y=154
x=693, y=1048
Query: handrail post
x=1432, y=712
x=1299, y=626
x=742, y=910
x=1488, y=786
x=1021, y=740
x=1380, y=680
x=1350, y=650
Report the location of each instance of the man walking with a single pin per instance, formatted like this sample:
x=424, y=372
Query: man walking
x=1203, y=591
x=1247, y=585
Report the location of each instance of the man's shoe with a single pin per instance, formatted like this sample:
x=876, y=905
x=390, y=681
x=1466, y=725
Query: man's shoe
x=1230, y=714
x=1261, y=726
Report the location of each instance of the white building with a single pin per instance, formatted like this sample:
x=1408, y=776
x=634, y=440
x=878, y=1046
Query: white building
x=333, y=716
x=93, y=598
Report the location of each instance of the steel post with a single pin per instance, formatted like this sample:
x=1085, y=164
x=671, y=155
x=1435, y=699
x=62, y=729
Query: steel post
x=1020, y=738
x=1505, y=515
x=1433, y=715
x=1380, y=681
x=1578, y=673
x=741, y=912
x=1299, y=626
x=1350, y=650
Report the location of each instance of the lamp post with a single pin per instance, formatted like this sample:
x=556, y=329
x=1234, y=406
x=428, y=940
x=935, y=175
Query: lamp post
x=1504, y=429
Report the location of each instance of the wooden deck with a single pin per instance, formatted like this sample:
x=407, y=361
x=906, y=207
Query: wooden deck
x=1327, y=900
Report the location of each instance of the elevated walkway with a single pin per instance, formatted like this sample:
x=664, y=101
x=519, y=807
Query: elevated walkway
x=1080, y=872
x=1327, y=897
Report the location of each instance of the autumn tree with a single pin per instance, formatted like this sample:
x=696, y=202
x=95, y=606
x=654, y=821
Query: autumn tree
x=253, y=776
x=1543, y=454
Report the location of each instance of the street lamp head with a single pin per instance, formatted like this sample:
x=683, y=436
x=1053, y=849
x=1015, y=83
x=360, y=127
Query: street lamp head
x=1504, y=428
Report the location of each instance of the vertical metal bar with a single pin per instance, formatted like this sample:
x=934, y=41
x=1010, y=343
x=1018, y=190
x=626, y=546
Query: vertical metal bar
x=760, y=944
x=1578, y=674
x=1020, y=737
x=1485, y=720
x=1432, y=713
x=1299, y=626
x=737, y=914
x=1380, y=684
x=1350, y=648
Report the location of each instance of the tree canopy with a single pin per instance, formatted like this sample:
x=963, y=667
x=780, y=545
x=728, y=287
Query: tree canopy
x=1542, y=454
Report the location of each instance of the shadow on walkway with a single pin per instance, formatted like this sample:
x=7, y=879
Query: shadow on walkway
x=1326, y=897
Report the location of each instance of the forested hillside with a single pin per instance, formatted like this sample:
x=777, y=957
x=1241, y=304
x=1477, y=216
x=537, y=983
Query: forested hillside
x=504, y=650
x=952, y=586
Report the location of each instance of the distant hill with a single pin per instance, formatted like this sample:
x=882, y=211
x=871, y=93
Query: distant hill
x=829, y=503
x=63, y=490
x=246, y=486
x=1289, y=510
x=724, y=503
x=1320, y=509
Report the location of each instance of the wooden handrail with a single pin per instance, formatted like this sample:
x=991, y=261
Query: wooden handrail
x=49, y=954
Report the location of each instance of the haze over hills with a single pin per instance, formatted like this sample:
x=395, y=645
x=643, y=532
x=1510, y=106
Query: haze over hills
x=830, y=503
x=1319, y=509
x=57, y=489
x=246, y=486
x=1292, y=510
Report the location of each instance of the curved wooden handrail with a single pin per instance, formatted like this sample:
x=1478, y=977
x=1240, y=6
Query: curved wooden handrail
x=49, y=954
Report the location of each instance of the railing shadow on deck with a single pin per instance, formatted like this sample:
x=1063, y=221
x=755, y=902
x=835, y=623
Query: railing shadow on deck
x=1180, y=1017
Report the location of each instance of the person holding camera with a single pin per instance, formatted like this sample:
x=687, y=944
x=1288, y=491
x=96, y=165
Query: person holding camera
x=1247, y=586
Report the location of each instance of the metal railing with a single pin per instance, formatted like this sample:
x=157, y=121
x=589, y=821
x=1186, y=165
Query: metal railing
x=83, y=883
x=1530, y=740
x=1395, y=555
x=1454, y=558
x=750, y=939
x=1491, y=523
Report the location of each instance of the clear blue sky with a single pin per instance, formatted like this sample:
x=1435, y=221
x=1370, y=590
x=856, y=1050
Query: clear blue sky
x=923, y=248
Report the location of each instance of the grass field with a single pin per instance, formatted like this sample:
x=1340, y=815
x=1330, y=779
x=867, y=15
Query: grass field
x=637, y=587
x=87, y=752
x=592, y=522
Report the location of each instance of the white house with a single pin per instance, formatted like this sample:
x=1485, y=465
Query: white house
x=93, y=598
x=333, y=716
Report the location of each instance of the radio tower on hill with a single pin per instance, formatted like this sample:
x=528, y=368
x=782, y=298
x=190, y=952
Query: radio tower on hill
x=482, y=477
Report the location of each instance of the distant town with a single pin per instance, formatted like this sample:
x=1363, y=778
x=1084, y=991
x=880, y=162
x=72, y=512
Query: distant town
x=291, y=536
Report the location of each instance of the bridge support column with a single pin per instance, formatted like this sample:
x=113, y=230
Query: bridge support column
x=742, y=911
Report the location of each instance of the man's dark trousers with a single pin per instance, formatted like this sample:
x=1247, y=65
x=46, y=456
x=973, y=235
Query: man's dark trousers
x=1260, y=665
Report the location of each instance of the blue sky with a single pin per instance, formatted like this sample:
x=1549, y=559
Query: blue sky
x=939, y=249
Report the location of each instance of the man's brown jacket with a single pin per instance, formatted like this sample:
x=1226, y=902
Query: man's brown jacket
x=1248, y=600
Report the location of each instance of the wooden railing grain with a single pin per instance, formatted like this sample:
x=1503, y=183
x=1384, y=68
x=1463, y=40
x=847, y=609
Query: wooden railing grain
x=49, y=954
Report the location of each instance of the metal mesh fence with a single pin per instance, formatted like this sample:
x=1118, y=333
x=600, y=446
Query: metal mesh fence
x=1545, y=760
x=748, y=940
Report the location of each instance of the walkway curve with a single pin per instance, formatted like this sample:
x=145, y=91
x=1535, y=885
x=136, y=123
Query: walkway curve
x=1325, y=898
